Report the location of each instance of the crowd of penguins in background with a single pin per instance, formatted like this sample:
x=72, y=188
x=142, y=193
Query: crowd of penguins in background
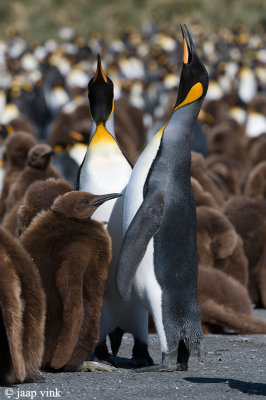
x=45, y=126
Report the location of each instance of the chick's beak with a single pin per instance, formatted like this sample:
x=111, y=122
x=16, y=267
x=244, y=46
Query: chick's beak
x=102, y=199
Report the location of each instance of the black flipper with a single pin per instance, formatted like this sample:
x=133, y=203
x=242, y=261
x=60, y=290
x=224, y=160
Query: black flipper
x=143, y=227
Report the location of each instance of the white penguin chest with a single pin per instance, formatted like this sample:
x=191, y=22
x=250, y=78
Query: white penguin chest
x=105, y=171
x=134, y=193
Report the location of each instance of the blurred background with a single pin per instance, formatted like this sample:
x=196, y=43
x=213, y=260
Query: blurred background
x=48, y=54
x=38, y=20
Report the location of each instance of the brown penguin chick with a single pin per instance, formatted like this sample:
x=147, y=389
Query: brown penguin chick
x=10, y=219
x=227, y=173
x=16, y=148
x=248, y=215
x=256, y=182
x=228, y=138
x=38, y=197
x=215, y=111
x=21, y=123
x=225, y=304
x=198, y=171
x=59, y=132
x=219, y=245
x=258, y=104
x=257, y=149
x=73, y=254
x=201, y=197
x=37, y=168
x=22, y=313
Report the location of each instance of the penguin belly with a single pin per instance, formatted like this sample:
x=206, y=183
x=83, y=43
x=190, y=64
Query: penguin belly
x=147, y=291
x=134, y=193
x=127, y=315
x=106, y=169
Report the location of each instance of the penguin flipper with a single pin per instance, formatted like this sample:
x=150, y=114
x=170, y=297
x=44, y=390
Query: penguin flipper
x=143, y=227
x=70, y=289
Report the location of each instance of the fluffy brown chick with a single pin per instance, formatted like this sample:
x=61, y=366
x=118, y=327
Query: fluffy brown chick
x=73, y=253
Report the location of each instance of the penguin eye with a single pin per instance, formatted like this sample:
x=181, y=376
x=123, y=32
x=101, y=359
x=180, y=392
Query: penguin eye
x=84, y=202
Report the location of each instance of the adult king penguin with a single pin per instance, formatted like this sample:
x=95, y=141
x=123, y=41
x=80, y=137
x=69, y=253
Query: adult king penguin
x=158, y=261
x=105, y=167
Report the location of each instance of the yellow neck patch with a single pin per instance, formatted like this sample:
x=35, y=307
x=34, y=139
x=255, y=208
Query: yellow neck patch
x=112, y=109
x=160, y=132
x=102, y=137
x=193, y=95
x=10, y=129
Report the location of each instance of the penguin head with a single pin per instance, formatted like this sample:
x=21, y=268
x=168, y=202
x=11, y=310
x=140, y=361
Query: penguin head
x=17, y=146
x=101, y=95
x=39, y=156
x=194, y=76
x=80, y=204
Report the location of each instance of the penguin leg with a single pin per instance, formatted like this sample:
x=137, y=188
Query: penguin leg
x=101, y=355
x=116, y=339
x=176, y=360
x=183, y=353
x=140, y=355
x=168, y=364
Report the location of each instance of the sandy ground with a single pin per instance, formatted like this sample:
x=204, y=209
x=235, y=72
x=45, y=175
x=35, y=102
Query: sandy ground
x=231, y=367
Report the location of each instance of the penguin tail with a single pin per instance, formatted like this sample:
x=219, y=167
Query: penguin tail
x=116, y=339
x=215, y=314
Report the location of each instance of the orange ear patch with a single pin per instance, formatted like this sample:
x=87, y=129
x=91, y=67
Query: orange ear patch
x=194, y=94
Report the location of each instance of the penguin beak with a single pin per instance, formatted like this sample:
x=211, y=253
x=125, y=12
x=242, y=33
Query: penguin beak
x=76, y=136
x=99, y=72
x=194, y=77
x=48, y=154
x=188, y=45
x=105, y=197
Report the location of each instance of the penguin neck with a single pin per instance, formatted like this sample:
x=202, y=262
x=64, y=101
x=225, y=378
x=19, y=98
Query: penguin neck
x=109, y=125
x=177, y=133
x=176, y=140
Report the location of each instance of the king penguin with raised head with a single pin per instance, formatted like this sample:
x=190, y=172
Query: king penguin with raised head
x=106, y=168
x=158, y=261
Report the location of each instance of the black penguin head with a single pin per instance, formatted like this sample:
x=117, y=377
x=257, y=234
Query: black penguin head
x=101, y=95
x=194, y=76
x=39, y=156
x=80, y=204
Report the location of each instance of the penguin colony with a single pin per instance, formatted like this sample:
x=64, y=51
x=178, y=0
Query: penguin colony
x=52, y=138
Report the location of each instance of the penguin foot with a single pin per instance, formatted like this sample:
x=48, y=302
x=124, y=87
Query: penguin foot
x=176, y=360
x=37, y=378
x=102, y=355
x=158, y=368
x=140, y=355
x=94, y=366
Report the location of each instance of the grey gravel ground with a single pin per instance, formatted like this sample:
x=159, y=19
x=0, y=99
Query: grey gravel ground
x=231, y=367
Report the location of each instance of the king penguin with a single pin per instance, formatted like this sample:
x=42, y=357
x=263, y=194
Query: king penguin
x=158, y=265
x=105, y=167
